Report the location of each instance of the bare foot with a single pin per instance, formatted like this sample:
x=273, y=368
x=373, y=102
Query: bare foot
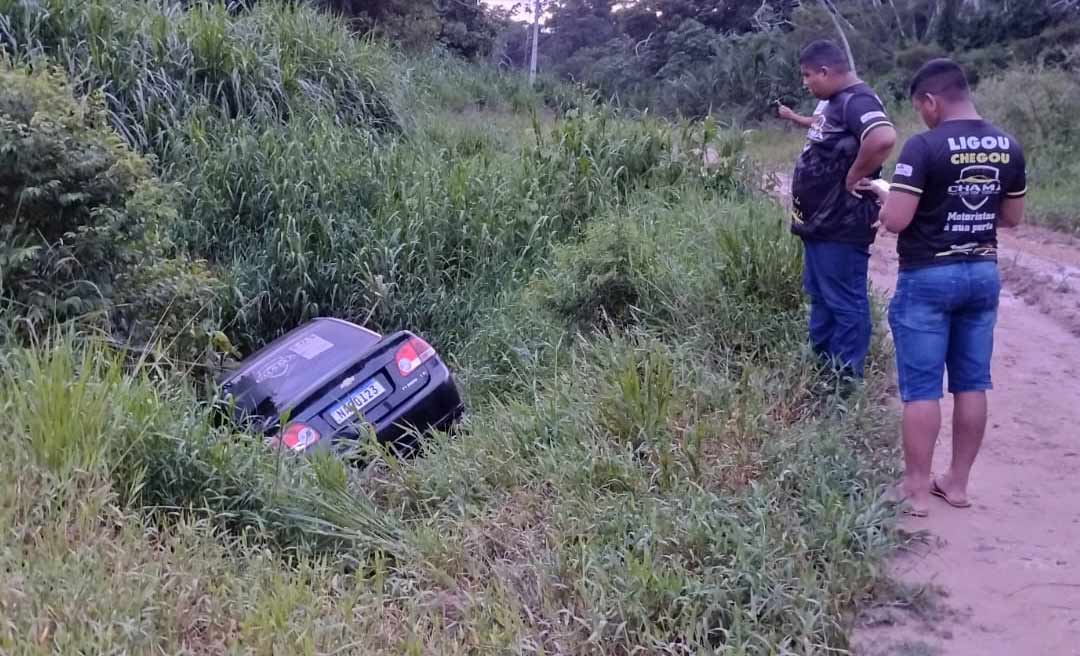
x=953, y=494
x=914, y=504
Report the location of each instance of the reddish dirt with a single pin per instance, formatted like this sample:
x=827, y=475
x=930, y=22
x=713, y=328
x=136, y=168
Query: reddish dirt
x=1043, y=268
x=1009, y=567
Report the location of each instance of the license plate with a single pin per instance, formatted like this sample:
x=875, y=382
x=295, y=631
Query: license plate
x=362, y=397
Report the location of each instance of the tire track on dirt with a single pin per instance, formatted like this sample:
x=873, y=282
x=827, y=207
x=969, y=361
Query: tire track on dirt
x=1043, y=268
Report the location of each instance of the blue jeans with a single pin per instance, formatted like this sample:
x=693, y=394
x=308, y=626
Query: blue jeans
x=834, y=277
x=943, y=317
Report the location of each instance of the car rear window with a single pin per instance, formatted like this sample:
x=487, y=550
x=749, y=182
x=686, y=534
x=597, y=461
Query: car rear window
x=287, y=366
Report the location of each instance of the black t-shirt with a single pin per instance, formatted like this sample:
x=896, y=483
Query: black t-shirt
x=823, y=208
x=961, y=171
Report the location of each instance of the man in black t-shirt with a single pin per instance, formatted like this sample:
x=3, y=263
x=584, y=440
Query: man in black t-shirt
x=848, y=140
x=952, y=187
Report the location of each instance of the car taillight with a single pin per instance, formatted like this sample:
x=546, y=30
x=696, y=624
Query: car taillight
x=299, y=436
x=414, y=353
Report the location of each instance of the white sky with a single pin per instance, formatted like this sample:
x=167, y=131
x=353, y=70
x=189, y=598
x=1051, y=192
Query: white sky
x=524, y=7
x=524, y=12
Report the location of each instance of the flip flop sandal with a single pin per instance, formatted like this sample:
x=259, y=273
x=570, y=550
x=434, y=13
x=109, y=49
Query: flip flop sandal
x=912, y=511
x=938, y=492
x=905, y=506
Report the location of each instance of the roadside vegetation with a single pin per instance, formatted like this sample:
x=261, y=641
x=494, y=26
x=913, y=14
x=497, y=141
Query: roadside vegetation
x=652, y=462
x=1038, y=105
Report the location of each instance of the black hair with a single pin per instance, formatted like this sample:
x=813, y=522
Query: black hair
x=824, y=53
x=941, y=77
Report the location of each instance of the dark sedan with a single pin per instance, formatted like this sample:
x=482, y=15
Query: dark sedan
x=329, y=380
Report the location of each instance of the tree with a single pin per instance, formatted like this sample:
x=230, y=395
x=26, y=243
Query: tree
x=576, y=24
x=665, y=52
x=468, y=28
x=688, y=46
x=412, y=24
x=834, y=14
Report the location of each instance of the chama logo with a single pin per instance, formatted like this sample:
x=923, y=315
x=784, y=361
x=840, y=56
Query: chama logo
x=977, y=184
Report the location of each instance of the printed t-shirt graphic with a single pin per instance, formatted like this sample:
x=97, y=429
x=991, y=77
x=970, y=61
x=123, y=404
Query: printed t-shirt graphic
x=823, y=208
x=819, y=121
x=961, y=171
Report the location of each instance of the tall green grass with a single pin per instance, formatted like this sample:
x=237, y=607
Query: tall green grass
x=424, y=232
x=83, y=414
x=644, y=495
x=161, y=61
x=1045, y=121
x=439, y=82
x=270, y=122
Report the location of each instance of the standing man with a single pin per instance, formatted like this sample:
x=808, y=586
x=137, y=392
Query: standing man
x=848, y=141
x=952, y=187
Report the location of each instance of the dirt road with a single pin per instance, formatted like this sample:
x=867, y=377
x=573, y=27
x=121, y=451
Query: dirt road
x=1008, y=569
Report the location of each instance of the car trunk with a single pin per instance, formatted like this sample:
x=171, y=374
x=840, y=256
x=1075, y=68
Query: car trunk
x=291, y=369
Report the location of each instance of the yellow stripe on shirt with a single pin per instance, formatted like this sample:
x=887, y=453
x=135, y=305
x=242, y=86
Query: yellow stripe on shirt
x=904, y=187
x=872, y=126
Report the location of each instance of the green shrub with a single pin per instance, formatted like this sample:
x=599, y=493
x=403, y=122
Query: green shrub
x=912, y=58
x=893, y=83
x=67, y=183
x=728, y=270
x=603, y=279
x=1043, y=117
x=983, y=63
x=82, y=217
x=739, y=81
x=172, y=304
x=1055, y=46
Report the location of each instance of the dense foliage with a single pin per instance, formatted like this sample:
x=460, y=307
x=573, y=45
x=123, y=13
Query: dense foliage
x=83, y=219
x=734, y=57
x=724, y=57
x=272, y=125
x=653, y=461
x=465, y=27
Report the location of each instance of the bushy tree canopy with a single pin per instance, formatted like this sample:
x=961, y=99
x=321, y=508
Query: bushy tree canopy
x=690, y=56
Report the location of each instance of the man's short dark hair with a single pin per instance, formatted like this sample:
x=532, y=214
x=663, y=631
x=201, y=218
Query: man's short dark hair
x=824, y=53
x=941, y=77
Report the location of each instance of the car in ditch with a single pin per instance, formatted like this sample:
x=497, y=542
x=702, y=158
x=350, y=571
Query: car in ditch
x=330, y=382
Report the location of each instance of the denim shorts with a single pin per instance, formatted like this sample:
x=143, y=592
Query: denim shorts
x=942, y=318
